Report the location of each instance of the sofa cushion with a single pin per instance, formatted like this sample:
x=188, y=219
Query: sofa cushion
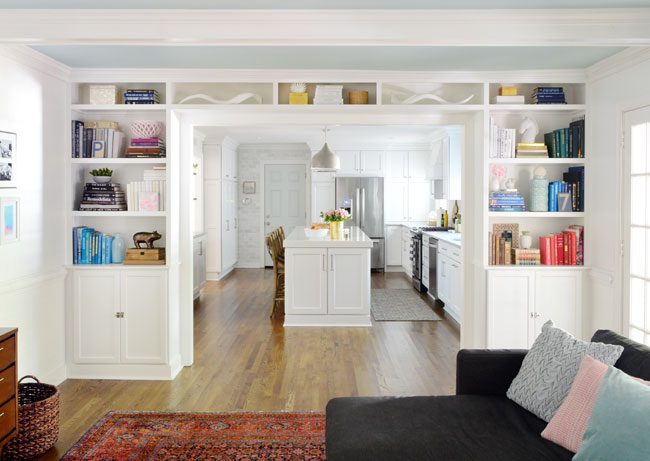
x=635, y=359
x=549, y=368
x=462, y=427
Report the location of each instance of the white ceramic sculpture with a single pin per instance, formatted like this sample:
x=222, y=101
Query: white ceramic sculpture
x=235, y=100
x=528, y=130
x=298, y=87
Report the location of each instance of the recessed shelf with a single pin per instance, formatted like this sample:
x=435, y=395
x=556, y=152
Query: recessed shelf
x=514, y=267
x=121, y=214
x=120, y=161
x=118, y=107
x=535, y=161
x=536, y=107
x=116, y=266
x=536, y=214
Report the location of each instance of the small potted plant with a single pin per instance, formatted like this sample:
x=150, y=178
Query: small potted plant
x=102, y=176
x=335, y=218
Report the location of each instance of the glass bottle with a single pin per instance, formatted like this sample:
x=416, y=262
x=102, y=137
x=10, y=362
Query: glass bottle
x=118, y=249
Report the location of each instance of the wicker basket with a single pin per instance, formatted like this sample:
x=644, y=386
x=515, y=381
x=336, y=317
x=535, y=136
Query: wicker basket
x=38, y=420
x=358, y=97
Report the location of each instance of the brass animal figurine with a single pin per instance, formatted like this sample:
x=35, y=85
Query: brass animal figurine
x=145, y=237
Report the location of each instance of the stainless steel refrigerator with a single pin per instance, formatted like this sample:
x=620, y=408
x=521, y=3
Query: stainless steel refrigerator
x=364, y=199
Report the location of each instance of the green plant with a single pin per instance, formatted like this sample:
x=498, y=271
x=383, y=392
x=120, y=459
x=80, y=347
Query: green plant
x=102, y=172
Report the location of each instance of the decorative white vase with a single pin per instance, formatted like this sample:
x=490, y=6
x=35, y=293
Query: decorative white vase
x=525, y=241
x=495, y=184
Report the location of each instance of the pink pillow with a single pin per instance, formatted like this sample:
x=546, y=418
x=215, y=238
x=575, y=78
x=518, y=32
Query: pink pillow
x=570, y=422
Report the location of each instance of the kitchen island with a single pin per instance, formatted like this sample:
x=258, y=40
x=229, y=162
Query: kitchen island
x=327, y=282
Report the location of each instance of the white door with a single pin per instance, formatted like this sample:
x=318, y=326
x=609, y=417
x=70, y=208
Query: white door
x=349, y=162
x=213, y=227
x=322, y=198
x=396, y=201
x=511, y=297
x=229, y=225
x=636, y=225
x=307, y=268
x=558, y=297
x=442, y=274
x=396, y=165
x=144, y=325
x=372, y=162
x=419, y=200
x=393, y=245
x=348, y=281
x=418, y=164
x=284, y=199
x=96, y=324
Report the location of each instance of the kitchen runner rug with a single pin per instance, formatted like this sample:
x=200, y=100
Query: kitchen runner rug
x=221, y=436
x=393, y=304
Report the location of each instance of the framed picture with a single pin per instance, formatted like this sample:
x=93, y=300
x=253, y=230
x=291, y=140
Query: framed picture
x=249, y=187
x=7, y=159
x=9, y=216
x=509, y=232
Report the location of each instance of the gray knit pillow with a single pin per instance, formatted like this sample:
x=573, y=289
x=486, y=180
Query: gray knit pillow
x=549, y=368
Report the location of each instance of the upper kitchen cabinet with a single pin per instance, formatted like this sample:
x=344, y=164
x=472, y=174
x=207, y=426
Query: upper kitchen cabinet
x=418, y=163
x=361, y=162
x=446, y=170
x=323, y=189
x=403, y=165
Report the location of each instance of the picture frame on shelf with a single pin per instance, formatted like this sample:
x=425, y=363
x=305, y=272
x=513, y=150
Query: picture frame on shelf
x=8, y=159
x=511, y=229
x=9, y=220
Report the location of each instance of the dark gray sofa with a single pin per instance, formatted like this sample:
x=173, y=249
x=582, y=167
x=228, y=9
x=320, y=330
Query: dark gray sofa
x=478, y=423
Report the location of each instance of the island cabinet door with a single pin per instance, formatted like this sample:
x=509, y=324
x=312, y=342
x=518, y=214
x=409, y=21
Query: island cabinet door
x=305, y=281
x=349, y=281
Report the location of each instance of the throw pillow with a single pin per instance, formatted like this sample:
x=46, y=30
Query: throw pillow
x=619, y=423
x=549, y=368
x=569, y=424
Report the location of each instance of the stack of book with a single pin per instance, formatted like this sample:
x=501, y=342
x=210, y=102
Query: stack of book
x=508, y=95
x=141, y=97
x=146, y=148
x=507, y=200
x=567, y=142
x=502, y=141
x=148, y=195
x=499, y=249
x=91, y=247
x=548, y=95
x=532, y=150
x=328, y=94
x=564, y=249
x=572, y=187
x=103, y=197
x=526, y=257
x=100, y=139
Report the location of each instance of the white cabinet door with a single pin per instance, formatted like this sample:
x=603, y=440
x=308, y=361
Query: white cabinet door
x=396, y=165
x=419, y=200
x=443, y=274
x=418, y=162
x=425, y=266
x=396, y=201
x=212, y=161
x=393, y=245
x=229, y=163
x=307, y=268
x=322, y=198
x=349, y=162
x=454, y=166
x=372, y=162
x=510, y=301
x=406, y=253
x=455, y=288
x=229, y=225
x=558, y=297
x=348, y=289
x=144, y=325
x=196, y=281
x=96, y=326
x=213, y=226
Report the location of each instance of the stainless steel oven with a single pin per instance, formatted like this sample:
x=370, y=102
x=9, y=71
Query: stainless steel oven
x=416, y=260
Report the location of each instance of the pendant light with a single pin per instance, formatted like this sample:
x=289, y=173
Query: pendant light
x=325, y=159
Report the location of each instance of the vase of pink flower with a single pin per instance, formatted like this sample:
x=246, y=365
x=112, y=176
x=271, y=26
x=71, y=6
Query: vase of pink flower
x=335, y=218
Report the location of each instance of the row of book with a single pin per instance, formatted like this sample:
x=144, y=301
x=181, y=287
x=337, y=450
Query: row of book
x=146, y=195
x=563, y=249
x=91, y=247
x=103, y=197
x=100, y=139
x=146, y=148
x=567, y=142
x=141, y=97
x=548, y=95
x=531, y=150
x=507, y=200
x=568, y=194
x=502, y=141
x=526, y=257
x=500, y=248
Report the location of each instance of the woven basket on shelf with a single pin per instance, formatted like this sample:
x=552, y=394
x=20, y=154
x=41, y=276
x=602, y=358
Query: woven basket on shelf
x=38, y=420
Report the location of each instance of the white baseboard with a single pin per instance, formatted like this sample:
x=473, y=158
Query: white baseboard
x=56, y=376
x=327, y=321
x=121, y=371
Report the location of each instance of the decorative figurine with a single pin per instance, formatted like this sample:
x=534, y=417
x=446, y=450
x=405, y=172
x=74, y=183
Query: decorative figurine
x=511, y=183
x=528, y=130
x=539, y=190
x=145, y=237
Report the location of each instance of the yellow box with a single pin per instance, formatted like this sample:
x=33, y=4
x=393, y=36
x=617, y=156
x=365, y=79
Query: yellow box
x=508, y=91
x=298, y=98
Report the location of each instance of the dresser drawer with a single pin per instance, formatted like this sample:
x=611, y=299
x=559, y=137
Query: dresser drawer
x=8, y=383
x=8, y=418
x=7, y=352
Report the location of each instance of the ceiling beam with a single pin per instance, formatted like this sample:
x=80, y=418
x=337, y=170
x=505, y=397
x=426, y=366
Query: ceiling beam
x=575, y=27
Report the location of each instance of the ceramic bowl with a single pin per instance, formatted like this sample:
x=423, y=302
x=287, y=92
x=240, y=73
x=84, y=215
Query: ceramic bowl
x=102, y=179
x=316, y=234
x=147, y=128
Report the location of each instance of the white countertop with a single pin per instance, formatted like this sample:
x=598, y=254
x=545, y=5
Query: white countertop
x=452, y=238
x=299, y=239
x=408, y=224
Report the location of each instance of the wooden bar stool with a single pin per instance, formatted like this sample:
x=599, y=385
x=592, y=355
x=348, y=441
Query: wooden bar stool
x=274, y=243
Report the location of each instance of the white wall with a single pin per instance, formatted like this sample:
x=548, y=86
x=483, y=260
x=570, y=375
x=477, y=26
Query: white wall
x=250, y=158
x=31, y=275
x=608, y=99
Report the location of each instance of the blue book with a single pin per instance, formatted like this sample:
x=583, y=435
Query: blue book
x=548, y=89
x=109, y=250
x=580, y=170
x=101, y=249
x=74, y=245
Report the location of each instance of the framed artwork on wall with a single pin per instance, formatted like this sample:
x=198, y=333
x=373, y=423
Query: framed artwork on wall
x=249, y=187
x=9, y=220
x=7, y=159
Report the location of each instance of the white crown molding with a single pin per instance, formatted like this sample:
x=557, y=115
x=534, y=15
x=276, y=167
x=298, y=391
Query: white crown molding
x=38, y=61
x=617, y=63
x=556, y=27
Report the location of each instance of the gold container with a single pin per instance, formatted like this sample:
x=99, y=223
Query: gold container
x=336, y=230
x=358, y=97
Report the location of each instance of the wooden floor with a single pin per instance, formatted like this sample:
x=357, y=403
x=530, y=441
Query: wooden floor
x=246, y=362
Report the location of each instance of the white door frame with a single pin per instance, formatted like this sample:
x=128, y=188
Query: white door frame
x=307, y=163
x=629, y=117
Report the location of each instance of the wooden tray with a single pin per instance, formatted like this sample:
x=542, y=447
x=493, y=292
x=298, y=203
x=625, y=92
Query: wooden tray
x=147, y=254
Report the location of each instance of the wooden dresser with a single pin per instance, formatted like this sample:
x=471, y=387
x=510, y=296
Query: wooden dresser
x=8, y=385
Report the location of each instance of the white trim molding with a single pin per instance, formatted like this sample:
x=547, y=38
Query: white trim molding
x=533, y=27
x=37, y=61
x=28, y=281
x=617, y=63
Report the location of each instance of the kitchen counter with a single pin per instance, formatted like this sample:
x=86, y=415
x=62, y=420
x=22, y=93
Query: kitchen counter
x=452, y=238
x=408, y=224
x=298, y=239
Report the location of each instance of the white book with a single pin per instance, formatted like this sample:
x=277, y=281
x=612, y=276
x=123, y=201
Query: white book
x=518, y=99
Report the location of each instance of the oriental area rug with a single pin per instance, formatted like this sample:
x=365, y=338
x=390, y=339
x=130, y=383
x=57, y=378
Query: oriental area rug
x=219, y=436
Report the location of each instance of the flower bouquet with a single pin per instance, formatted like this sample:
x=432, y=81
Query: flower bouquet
x=336, y=218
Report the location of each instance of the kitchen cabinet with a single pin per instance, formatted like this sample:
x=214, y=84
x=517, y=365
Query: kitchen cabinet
x=419, y=194
x=322, y=197
x=397, y=165
x=229, y=225
x=361, y=162
x=199, y=263
x=447, y=171
x=443, y=274
x=418, y=164
x=407, y=264
x=450, y=278
x=393, y=245
x=425, y=261
x=347, y=290
x=519, y=302
x=396, y=201
x=119, y=316
x=309, y=268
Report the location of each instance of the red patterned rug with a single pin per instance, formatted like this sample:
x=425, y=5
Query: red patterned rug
x=135, y=435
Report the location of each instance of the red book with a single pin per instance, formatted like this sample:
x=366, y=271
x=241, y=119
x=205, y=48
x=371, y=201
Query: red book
x=559, y=249
x=545, y=251
x=573, y=248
